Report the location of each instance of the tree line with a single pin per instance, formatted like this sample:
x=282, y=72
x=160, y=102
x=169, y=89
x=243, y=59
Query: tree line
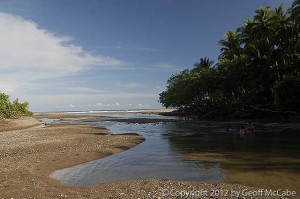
x=258, y=67
x=13, y=109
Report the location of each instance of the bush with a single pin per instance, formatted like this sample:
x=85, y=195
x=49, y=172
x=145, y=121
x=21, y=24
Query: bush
x=12, y=109
x=287, y=94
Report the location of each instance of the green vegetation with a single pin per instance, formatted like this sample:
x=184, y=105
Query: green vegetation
x=258, y=68
x=287, y=87
x=12, y=109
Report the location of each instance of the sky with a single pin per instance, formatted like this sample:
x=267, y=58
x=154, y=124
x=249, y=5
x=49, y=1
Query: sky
x=77, y=55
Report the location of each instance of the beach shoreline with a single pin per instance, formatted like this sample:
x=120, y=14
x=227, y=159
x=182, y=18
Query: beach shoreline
x=29, y=155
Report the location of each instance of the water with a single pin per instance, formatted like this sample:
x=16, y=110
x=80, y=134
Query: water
x=198, y=151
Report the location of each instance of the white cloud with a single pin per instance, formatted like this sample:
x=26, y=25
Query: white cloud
x=100, y=104
x=84, y=90
x=166, y=65
x=37, y=102
x=152, y=50
x=7, y=87
x=130, y=85
x=29, y=53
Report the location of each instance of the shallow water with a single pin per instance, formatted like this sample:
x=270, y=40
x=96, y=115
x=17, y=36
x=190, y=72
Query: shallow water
x=198, y=151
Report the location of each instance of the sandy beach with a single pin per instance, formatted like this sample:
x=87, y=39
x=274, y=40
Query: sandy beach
x=29, y=154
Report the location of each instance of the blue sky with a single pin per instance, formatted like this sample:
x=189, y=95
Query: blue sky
x=108, y=54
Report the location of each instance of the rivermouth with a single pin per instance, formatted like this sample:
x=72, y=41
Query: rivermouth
x=212, y=152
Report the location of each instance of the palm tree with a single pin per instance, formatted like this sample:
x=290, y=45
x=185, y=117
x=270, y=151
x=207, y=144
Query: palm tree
x=257, y=35
x=294, y=37
x=204, y=63
x=285, y=40
x=263, y=28
x=295, y=11
x=231, y=45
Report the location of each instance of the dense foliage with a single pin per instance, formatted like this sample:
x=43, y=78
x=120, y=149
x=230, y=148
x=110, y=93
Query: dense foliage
x=258, y=66
x=287, y=94
x=12, y=109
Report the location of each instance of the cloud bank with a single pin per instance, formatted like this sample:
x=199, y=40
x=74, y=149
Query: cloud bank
x=35, y=64
x=29, y=53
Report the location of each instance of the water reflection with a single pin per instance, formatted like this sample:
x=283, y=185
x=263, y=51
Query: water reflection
x=269, y=158
x=200, y=151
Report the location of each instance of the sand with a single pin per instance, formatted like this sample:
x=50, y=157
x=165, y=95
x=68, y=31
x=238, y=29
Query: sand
x=15, y=124
x=29, y=155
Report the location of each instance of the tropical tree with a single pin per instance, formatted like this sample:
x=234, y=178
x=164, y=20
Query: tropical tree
x=231, y=45
x=13, y=109
x=257, y=64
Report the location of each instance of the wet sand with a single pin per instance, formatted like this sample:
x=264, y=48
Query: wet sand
x=29, y=155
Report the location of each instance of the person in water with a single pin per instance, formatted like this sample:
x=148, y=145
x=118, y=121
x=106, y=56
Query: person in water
x=249, y=128
x=242, y=130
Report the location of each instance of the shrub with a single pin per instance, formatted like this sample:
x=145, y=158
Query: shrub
x=13, y=109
